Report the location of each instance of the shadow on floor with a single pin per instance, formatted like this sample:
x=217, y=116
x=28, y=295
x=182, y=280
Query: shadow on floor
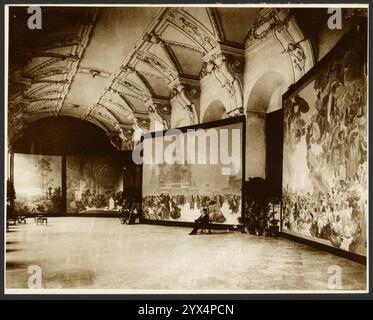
x=15, y=265
x=73, y=278
x=212, y=233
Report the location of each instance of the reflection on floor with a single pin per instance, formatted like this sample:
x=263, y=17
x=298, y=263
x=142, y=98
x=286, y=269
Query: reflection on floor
x=101, y=253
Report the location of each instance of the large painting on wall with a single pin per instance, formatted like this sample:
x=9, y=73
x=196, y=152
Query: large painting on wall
x=37, y=183
x=179, y=191
x=325, y=150
x=94, y=184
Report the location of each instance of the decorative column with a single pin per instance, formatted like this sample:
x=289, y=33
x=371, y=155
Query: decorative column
x=64, y=185
x=255, y=144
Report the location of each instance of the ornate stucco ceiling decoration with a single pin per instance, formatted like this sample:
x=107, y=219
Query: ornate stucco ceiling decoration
x=123, y=68
x=280, y=25
x=154, y=72
x=42, y=83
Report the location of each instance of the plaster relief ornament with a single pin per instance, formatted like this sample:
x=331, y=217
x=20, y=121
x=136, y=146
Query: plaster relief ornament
x=192, y=29
x=219, y=65
x=156, y=64
x=154, y=114
x=297, y=55
x=194, y=92
x=236, y=64
x=164, y=109
x=152, y=37
x=199, y=36
x=115, y=140
x=139, y=93
x=178, y=93
x=142, y=123
x=127, y=133
x=261, y=29
x=235, y=112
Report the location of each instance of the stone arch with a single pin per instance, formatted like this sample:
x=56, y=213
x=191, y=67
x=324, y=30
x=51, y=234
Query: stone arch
x=284, y=52
x=114, y=136
x=265, y=96
x=215, y=111
x=266, y=93
x=62, y=134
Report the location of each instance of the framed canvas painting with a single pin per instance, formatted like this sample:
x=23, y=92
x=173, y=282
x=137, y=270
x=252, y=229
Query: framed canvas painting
x=325, y=150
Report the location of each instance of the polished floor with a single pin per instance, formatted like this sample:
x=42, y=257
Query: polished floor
x=100, y=253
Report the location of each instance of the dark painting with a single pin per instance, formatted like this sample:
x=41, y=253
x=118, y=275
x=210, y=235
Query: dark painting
x=94, y=184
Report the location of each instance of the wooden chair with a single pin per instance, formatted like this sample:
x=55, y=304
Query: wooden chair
x=21, y=219
x=12, y=219
x=41, y=219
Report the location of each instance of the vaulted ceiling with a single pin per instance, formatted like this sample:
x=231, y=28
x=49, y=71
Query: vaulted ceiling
x=114, y=67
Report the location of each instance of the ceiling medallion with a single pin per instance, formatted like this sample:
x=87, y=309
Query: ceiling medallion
x=194, y=92
x=94, y=73
x=143, y=123
x=164, y=109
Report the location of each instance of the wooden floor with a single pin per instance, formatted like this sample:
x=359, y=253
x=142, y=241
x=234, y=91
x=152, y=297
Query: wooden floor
x=100, y=253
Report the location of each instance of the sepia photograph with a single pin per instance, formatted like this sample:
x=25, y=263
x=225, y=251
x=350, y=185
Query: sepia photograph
x=186, y=149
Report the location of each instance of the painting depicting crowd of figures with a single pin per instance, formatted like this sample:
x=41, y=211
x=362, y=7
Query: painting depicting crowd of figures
x=94, y=184
x=325, y=154
x=179, y=192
